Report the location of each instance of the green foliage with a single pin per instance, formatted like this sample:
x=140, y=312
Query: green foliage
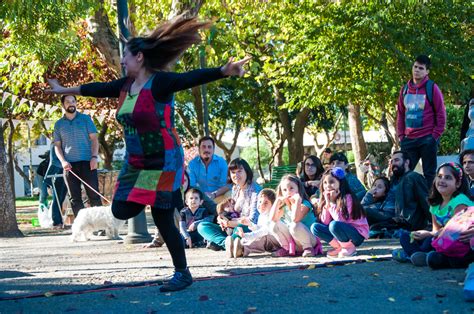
x=450, y=140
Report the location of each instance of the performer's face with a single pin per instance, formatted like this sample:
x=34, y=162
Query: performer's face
x=130, y=63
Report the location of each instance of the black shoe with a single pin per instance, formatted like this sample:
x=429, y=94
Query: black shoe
x=214, y=247
x=180, y=280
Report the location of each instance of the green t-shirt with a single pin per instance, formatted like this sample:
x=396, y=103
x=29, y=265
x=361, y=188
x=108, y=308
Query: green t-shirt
x=308, y=220
x=443, y=215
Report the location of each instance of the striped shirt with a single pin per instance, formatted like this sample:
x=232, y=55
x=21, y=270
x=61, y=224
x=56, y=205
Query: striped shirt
x=74, y=137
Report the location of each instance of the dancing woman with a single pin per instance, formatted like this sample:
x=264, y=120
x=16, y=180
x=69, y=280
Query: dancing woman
x=154, y=163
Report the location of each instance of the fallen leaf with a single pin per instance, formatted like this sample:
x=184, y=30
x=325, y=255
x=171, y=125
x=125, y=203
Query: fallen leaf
x=48, y=294
x=391, y=299
x=375, y=275
x=134, y=302
x=110, y=296
x=251, y=309
x=417, y=298
x=165, y=303
x=305, y=277
x=311, y=266
x=313, y=284
x=204, y=298
x=168, y=294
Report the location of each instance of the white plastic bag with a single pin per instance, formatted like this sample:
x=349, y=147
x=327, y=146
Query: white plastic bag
x=44, y=216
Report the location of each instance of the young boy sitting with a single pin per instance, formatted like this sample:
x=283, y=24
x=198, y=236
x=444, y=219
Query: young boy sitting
x=191, y=216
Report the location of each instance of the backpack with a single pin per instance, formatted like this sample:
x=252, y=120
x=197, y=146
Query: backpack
x=447, y=241
x=42, y=167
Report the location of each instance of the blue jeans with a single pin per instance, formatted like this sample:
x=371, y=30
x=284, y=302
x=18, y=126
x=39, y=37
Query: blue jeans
x=426, y=148
x=416, y=246
x=343, y=232
x=43, y=187
x=212, y=232
x=58, y=199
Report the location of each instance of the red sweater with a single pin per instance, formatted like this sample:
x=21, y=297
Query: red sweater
x=415, y=116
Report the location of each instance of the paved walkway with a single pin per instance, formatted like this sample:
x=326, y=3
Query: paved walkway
x=46, y=273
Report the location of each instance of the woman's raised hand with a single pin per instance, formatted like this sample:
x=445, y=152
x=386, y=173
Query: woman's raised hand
x=55, y=87
x=235, y=68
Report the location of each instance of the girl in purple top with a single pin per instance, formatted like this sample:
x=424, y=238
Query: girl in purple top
x=154, y=164
x=343, y=223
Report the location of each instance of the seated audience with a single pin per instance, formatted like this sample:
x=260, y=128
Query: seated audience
x=340, y=160
x=311, y=175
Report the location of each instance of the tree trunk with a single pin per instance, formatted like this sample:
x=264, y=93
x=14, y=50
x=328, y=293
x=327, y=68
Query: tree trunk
x=189, y=8
x=10, y=164
x=104, y=39
x=294, y=135
x=259, y=161
x=8, y=224
x=106, y=149
x=359, y=148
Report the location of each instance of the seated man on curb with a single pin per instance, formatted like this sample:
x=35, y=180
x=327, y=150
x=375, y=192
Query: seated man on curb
x=208, y=172
x=340, y=160
x=409, y=190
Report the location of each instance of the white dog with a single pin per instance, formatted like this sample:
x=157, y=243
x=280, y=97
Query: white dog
x=92, y=219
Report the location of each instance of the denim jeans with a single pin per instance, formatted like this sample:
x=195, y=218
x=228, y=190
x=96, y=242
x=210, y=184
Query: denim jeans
x=426, y=148
x=343, y=232
x=59, y=194
x=411, y=247
x=43, y=187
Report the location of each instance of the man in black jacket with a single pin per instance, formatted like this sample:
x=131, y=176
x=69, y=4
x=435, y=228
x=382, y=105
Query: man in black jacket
x=410, y=193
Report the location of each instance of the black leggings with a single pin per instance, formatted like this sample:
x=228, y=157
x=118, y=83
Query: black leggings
x=164, y=220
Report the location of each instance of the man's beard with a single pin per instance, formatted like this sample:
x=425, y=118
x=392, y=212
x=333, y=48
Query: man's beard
x=71, y=109
x=206, y=158
x=398, y=171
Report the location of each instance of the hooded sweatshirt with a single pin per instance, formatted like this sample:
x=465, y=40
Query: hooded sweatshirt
x=415, y=115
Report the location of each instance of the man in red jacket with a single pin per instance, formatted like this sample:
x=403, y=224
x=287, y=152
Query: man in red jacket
x=421, y=118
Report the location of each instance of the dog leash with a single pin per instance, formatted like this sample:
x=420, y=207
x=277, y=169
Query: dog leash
x=90, y=187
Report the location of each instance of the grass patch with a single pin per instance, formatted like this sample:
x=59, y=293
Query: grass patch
x=28, y=201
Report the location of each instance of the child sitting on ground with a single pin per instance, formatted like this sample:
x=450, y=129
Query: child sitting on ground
x=191, y=216
x=259, y=240
x=449, y=195
x=375, y=202
x=226, y=211
x=343, y=223
x=292, y=216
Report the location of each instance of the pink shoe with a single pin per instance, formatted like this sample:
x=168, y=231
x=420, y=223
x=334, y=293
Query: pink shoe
x=318, y=248
x=336, y=248
x=292, y=248
x=308, y=252
x=280, y=253
x=348, y=249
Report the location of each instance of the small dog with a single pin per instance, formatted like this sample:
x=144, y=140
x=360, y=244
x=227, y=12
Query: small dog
x=92, y=219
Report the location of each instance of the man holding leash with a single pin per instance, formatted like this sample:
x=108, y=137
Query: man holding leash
x=77, y=147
